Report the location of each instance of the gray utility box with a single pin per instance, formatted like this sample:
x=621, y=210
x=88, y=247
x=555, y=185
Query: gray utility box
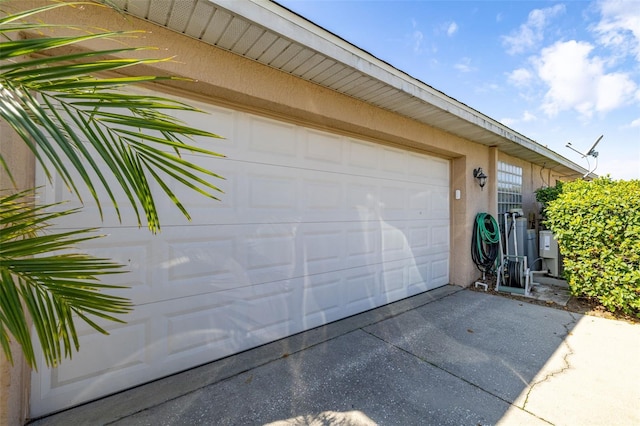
x=527, y=242
x=551, y=258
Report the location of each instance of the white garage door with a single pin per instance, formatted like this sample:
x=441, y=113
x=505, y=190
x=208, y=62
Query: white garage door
x=313, y=227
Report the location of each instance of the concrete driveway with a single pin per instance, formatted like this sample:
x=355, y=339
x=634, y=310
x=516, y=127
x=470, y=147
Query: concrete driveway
x=446, y=357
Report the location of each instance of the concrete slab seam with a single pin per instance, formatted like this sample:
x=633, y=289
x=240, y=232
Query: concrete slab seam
x=457, y=377
x=565, y=360
x=273, y=359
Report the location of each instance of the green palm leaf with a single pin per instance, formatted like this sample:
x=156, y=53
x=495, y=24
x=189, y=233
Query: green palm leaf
x=44, y=278
x=78, y=123
x=67, y=104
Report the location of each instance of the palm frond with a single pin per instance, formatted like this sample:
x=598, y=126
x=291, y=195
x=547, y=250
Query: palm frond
x=79, y=123
x=42, y=276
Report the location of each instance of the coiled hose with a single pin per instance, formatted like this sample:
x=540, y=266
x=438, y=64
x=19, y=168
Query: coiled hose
x=485, y=242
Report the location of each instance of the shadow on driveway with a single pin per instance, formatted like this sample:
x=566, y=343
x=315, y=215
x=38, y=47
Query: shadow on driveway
x=449, y=356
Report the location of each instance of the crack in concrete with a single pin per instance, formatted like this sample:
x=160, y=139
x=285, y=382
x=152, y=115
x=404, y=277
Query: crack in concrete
x=433, y=364
x=475, y=385
x=565, y=360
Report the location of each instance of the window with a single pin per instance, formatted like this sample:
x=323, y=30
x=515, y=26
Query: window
x=509, y=188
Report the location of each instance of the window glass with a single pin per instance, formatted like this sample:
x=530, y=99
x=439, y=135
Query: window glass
x=509, y=188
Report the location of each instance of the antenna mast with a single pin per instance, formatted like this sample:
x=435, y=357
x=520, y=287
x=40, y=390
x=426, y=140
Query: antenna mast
x=590, y=153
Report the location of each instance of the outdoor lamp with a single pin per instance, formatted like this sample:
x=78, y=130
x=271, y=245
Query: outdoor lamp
x=482, y=178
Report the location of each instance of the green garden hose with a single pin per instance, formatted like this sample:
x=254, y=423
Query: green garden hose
x=485, y=242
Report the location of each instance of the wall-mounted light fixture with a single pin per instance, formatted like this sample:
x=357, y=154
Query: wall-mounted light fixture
x=480, y=176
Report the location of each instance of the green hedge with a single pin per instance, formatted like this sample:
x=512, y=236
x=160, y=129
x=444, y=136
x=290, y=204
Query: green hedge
x=597, y=225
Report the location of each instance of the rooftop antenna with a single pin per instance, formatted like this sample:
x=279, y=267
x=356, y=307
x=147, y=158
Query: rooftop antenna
x=591, y=153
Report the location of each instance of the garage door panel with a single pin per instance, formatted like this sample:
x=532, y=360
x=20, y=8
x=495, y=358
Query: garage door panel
x=419, y=235
x=105, y=365
x=263, y=311
x=271, y=141
x=362, y=289
x=323, y=197
x=362, y=200
x=102, y=351
x=419, y=270
x=143, y=259
x=439, y=203
x=440, y=270
x=394, y=163
x=220, y=121
x=191, y=328
x=223, y=257
x=434, y=170
x=439, y=236
x=270, y=256
x=420, y=202
x=431, y=169
x=204, y=209
x=363, y=156
x=197, y=260
x=322, y=249
x=325, y=149
x=363, y=246
x=393, y=201
x=135, y=252
x=201, y=256
x=272, y=192
x=57, y=192
x=418, y=168
x=319, y=301
x=174, y=267
x=393, y=279
x=313, y=227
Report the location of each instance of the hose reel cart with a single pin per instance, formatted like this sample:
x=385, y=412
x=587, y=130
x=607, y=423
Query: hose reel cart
x=492, y=255
x=513, y=273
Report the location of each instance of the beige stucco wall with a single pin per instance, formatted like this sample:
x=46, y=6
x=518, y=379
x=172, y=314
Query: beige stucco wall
x=14, y=378
x=228, y=79
x=533, y=177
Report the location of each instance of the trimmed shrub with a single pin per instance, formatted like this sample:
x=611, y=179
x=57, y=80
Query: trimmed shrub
x=547, y=194
x=597, y=225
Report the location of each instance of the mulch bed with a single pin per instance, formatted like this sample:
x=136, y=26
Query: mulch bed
x=578, y=305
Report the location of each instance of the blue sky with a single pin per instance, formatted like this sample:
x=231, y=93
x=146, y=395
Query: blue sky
x=556, y=72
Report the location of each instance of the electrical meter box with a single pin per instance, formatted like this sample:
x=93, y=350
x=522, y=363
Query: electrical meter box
x=551, y=259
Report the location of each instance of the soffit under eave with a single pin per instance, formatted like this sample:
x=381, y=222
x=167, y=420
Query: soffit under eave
x=226, y=29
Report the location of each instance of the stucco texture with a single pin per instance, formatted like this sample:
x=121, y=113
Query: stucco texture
x=224, y=78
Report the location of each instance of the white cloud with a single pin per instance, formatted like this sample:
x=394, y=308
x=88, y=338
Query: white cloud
x=626, y=168
x=487, y=88
x=417, y=38
x=619, y=27
x=635, y=123
x=531, y=33
x=520, y=77
x=452, y=29
x=509, y=122
x=526, y=118
x=578, y=81
x=613, y=91
x=464, y=65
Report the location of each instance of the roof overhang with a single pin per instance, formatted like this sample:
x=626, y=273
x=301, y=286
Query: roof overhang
x=268, y=33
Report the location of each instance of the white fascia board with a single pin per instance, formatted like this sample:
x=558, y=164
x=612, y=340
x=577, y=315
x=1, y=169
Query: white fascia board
x=292, y=26
x=298, y=29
